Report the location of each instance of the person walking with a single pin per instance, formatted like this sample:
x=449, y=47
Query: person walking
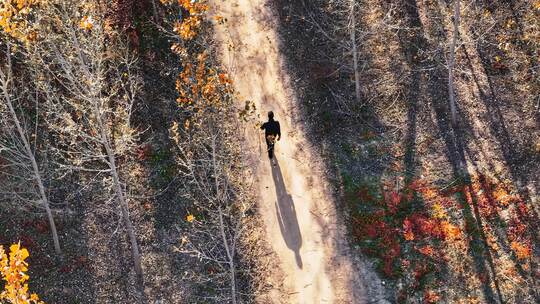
x=272, y=132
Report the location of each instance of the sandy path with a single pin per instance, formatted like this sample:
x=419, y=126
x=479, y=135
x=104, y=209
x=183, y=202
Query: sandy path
x=298, y=212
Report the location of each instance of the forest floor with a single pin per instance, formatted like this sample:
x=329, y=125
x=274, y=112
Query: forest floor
x=302, y=225
x=448, y=214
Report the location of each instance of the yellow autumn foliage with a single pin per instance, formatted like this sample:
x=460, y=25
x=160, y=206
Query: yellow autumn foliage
x=14, y=18
x=438, y=211
x=13, y=268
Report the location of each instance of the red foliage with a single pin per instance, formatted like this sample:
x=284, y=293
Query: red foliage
x=425, y=226
x=391, y=255
x=372, y=230
x=392, y=200
x=483, y=277
x=123, y=12
x=42, y=226
x=79, y=262
x=66, y=269
x=523, y=209
x=408, y=233
x=516, y=228
x=144, y=152
x=388, y=267
x=417, y=185
x=420, y=271
x=28, y=242
x=364, y=195
x=427, y=250
x=499, y=66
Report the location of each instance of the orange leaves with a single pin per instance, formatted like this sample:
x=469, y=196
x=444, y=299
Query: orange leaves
x=24, y=4
x=450, y=231
x=430, y=193
x=522, y=250
x=86, y=23
x=431, y=297
x=194, y=7
x=187, y=28
x=13, y=270
x=408, y=234
x=179, y=50
x=501, y=195
x=496, y=198
x=201, y=88
x=224, y=79
x=418, y=226
x=219, y=19
x=490, y=195
x=427, y=250
x=190, y=218
x=200, y=85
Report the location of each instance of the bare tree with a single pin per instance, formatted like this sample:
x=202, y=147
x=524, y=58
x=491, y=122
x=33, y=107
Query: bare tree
x=89, y=80
x=339, y=24
x=19, y=154
x=354, y=50
x=210, y=167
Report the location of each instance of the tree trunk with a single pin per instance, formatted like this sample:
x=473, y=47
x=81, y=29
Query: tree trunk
x=35, y=168
x=155, y=11
x=451, y=64
x=355, y=53
x=228, y=249
x=230, y=256
x=122, y=201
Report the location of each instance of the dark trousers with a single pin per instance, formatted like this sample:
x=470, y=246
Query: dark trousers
x=270, y=145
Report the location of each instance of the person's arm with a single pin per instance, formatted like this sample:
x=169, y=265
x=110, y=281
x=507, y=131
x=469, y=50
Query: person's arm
x=263, y=126
x=278, y=130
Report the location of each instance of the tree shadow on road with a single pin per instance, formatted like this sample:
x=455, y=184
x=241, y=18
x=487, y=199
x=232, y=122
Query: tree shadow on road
x=286, y=214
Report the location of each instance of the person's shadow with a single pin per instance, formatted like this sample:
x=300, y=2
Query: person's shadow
x=286, y=214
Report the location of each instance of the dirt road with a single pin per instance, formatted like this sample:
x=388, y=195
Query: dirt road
x=298, y=211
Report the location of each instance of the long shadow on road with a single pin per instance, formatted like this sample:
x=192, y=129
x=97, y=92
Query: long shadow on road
x=286, y=214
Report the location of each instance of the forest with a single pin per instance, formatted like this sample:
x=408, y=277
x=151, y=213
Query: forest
x=134, y=167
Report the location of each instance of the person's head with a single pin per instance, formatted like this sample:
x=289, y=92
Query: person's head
x=270, y=115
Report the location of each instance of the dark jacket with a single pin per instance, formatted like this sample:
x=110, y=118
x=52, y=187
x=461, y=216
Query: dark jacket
x=271, y=128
